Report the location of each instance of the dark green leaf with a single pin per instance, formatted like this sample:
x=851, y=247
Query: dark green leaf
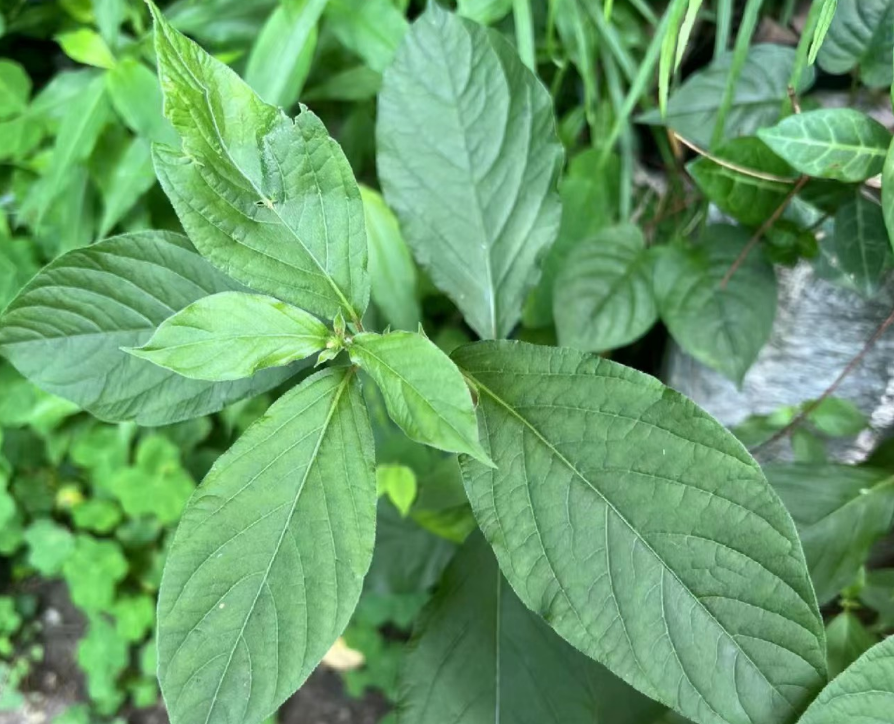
x=268, y=561
x=861, y=35
x=129, y=177
x=644, y=534
x=271, y=201
x=724, y=327
x=478, y=655
x=65, y=330
x=480, y=123
x=835, y=143
x=373, y=29
x=859, y=245
x=603, y=295
x=840, y=512
x=847, y=640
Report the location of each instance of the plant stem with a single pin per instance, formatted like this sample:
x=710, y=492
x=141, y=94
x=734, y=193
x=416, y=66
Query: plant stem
x=850, y=367
x=524, y=32
x=616, y=95
x=724, y=27
x=740, y=55
x=764, y=228
x=609, y=36
x=801, y=54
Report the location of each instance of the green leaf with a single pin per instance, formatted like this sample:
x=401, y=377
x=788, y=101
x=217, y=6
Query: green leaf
x=281, y=56
x=484, y=12
x=748, y=198
x=49, y=546
x=136, y=97
x=722, y=327
x=398, y=482
x=134, y=617
x=268, y=561
x=840, y=511
x=705, y=606
x=863, y=694
x=478, y=655
x=103, y=656
x=861, y=35
x=589, y=200
x=837, y=417
x=270, y=200
x=232, y=335
x=481, y=226
x=373, y=29
x=92, y=572
x=834, y=143
x=15, y=89
x=424, y=392
x=878, y=593
x=130, y=176
x=86, y=46
x=392, y=274
x=847, y=640
x=603, y=295
x=859, y=244
x=65, y=329
x=824, y=22
x=759, y=95
x=18, y=263
x=109, y=16
x=100, y=516
x=354, y=84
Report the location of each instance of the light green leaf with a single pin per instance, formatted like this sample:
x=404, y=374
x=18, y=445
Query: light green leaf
x=354, y=84
x=281, y=56
x=484, y=12
x=840, y=512
x=759, y=95
x=103, y=656
x=86, y=46
x=129, y=177
x=458, y=105
x=424, y=392
x=392, y=274
x=232, y=335
x=268, y=561
x=824, y=22
x=92, y=571
x=478, y=655
x=136, y=96
x=15, y=89
x=863, y=694
x=49, y=546
x=837, y=417
x=603, y=295
x=65, y=329
x=270, y=200
x=109, y=16
x=373, y=29
x=834, y=143
x=134, y=617
x=18, y=263
x=722, y=327
x=861, y=35
x=859, y=244
x=644, y=534
x=97, y=515
x=847, y=640
x=398, y=482
x=746, y=197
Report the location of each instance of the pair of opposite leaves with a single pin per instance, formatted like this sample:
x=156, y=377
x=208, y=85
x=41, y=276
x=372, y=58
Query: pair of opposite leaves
x=638, y=527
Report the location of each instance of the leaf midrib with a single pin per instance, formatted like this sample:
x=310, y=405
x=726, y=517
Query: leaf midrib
x=633, y=530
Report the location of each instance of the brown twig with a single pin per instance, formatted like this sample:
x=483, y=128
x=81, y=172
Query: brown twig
x=764, y=228
x=810, y=407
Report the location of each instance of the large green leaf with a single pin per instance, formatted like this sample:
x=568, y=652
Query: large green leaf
x=281, y=56
x=863, y=694
x=840, y=512
x=859, y=244
x=747, y=197
x=270, y=200
x=723, y=327
x=643, y=533
x=603, y=296
x=480, y=657
x=65, y=329
x=268, y=561
x=232, y=335
x=392, y=274
x=424, y=392
x=847, y=639
x=759, y=96
x=468, y=158
x=861, y=35
x=835, y=143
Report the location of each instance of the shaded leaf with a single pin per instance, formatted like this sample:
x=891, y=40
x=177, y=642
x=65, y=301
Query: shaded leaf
x=136, y=97
x=457, y=101
x=859, y=245
x=704, y=606
x=861, y=35
x=485, y=12
x=847, y=640
x=373, y=29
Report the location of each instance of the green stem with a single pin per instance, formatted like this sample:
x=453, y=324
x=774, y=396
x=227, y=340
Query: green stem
x=740, y=55
x=724, y=27
x=524, y=32
x=802, y=52
x=609, y=36
x=616, y=95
